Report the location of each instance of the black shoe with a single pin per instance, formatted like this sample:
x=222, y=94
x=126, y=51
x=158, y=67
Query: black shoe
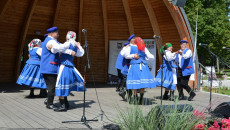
x=181, y=98
x=191, y=96
x=117, y=89
x=122, y=94
x=51, y=107
x=62, y=108
x=165, y=97
x=45, y=102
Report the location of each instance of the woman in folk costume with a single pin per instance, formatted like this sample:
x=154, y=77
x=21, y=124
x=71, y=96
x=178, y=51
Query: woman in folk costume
x=30, y=74
x=139, y=76
x=169, y=72
x=69, y=79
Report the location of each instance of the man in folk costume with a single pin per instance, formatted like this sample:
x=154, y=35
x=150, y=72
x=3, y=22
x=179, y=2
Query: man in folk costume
x=119, y=66
x=121, y=63
x=185, y=69
x=50, y=62
x=69, y=79
x=125, y=69
x=139, y=76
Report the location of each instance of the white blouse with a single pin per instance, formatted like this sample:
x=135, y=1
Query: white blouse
x=169, y=56
x=125, y=52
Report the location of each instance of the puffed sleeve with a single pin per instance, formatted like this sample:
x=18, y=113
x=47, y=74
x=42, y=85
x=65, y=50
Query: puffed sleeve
x=125, y=52
x=39, y=51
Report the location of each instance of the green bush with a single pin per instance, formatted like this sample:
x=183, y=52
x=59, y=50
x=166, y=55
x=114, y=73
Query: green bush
x=133, y=118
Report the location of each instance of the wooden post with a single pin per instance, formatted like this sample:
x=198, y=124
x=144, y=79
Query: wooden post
x=23, y=33
x=128, y=16
x=154, y=24
x=106, y=38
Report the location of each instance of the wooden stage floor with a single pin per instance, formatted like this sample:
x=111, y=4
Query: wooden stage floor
x=16, y=111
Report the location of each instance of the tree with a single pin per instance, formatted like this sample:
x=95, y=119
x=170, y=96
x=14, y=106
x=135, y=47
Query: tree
x=213, y=27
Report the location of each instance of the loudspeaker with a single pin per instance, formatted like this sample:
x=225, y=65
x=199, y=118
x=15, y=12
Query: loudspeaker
x=179, y=3
x=222, y=110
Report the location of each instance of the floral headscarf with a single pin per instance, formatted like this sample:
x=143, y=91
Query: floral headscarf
x=34, y=43
x=140, y=44
x=71, y=37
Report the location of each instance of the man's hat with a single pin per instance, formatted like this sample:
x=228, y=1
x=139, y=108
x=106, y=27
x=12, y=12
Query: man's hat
x=45, y=35
x=53, y=29
x=183, y=41
x=126, y=43
x=131, y=37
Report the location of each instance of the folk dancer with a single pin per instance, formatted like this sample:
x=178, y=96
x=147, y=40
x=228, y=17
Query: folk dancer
x=69, y=78
x=169, y=72
x=30, y=74
x=139, y=76
x=185, y=69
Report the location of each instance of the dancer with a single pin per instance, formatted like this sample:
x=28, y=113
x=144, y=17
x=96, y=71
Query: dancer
x=169, y=72
x=30, y=74
x=139, y=76
x=50, y=62
x=69, y=79
x=185, y=69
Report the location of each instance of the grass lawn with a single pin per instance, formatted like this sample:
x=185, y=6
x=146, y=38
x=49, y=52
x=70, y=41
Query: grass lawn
x=223, y=90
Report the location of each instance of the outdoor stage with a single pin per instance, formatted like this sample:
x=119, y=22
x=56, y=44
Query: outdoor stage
x=19, y=112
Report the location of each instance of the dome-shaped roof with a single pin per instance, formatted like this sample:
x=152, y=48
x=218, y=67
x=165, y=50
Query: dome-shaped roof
x=22, y=20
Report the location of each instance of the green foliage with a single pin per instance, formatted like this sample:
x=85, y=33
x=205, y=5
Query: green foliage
x=213, y=27
x=133, y=118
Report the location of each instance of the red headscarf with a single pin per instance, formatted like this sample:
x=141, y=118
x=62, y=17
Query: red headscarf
x=140, y=44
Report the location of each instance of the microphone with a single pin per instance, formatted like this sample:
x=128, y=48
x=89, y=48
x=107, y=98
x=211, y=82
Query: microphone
x=201, y=44
x=155, y=36
x=84, y=30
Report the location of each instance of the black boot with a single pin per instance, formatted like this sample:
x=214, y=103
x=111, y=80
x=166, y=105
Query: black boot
x=31, y=93
x=43, y=93
x=165, y=96
x=62, y=108
x=122, y=93
x=191, y=93
x=171, y=97
x=49, y=104
x=129, y=91
x=66, y=102
x=141, y=98
x=181, y=94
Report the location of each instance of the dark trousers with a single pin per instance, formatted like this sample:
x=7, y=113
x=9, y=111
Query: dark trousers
x=50, y=80
x=182, y=83
x=120, y=75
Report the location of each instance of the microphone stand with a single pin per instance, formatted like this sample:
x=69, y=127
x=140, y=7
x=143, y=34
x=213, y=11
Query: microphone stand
x=83, y=118
x=212, y=65
x=161, y=68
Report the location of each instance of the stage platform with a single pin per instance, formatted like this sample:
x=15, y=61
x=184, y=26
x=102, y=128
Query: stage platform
x=19, y=112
